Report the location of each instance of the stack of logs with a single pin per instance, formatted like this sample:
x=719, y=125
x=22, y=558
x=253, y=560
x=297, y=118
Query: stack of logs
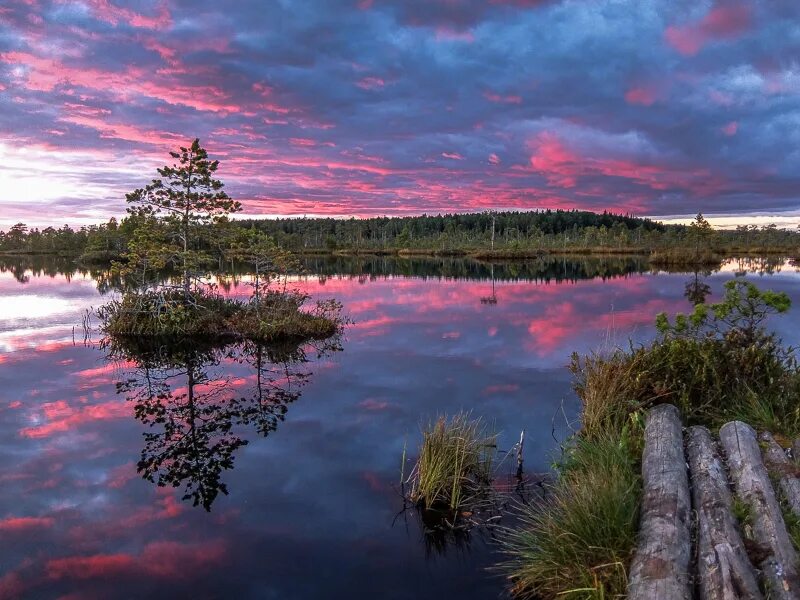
x=691, y=544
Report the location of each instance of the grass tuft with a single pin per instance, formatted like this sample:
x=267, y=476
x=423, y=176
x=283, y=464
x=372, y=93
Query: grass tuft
x=578, y=541
x=455, y=463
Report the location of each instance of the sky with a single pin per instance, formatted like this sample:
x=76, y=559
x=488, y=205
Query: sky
x=395, y=107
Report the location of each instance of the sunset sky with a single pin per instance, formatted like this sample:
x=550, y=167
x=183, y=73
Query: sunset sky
x=389, y=107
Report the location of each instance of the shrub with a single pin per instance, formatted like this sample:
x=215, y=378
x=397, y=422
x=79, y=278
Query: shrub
x=685, y=257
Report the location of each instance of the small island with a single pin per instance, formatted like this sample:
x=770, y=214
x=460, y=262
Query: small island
x=175, y=222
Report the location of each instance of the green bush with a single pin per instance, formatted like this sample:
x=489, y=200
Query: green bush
x=716, y=364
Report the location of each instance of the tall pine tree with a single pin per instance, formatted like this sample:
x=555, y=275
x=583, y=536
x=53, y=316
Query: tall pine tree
x=187, y=197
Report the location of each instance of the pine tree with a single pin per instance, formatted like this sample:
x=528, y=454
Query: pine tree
x=187, y=197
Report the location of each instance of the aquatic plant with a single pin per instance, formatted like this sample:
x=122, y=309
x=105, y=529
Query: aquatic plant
x=455, y=463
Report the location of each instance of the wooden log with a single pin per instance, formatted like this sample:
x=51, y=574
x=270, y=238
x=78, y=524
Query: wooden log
x=724, y=571
x=783, y=469
x=660, y=567
x=751, y=480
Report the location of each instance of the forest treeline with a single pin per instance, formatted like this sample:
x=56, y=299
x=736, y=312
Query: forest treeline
x=500, y=234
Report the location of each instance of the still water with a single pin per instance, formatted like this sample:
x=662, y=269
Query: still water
x=109, y=459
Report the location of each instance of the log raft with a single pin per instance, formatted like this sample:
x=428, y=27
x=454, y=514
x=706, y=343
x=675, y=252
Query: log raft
x=691, y=543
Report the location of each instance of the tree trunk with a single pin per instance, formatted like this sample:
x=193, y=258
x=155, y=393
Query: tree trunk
x=783, y=469
x=660, y=567
x=755, y=489
x=724, y=571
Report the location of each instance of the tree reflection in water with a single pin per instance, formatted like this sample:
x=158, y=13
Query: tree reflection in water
x=193, y=405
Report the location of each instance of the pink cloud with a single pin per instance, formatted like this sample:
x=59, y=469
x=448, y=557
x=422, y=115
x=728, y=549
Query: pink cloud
x=721, y=22
x=105, y=11
x=562, y=167
x=554, y=160
x=731, y=128
x=371, y=83
x=306, y=142
x=45, y=74
x=452, y=155
x=13, y=524
x=500, y=388
x=455, y=35
x=158, y=559
x=643, y=95
x=372, y=404
x=500, y=99
x=62, y=417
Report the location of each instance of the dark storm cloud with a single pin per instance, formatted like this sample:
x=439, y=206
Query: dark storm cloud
x=387, y=107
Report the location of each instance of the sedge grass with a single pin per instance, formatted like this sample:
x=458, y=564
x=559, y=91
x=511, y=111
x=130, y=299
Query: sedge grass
x=455, y=462
x=577, y=542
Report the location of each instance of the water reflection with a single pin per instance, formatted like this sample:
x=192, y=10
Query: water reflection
x=696, y=290
x=365, y=268
x=309, y=512
x=197, y=413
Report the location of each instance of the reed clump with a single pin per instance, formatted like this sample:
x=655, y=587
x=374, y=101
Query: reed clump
x=455, y=463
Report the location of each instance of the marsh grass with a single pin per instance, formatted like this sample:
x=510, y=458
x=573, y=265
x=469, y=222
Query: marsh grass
x=455, y=464
x=578, y=541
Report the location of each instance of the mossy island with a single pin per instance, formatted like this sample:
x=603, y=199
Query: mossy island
x=180, y=232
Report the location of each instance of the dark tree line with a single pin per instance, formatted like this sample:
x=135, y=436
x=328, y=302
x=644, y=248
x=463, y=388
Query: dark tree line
x=551, y=230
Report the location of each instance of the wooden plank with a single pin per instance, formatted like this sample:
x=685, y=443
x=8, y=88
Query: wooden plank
x=724, y=571
x=660, y=567
x=753, y=486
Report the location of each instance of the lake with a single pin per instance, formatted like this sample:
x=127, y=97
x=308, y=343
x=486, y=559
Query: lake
x=287, y=483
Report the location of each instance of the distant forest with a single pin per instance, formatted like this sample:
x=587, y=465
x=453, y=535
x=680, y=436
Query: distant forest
x=513, y=233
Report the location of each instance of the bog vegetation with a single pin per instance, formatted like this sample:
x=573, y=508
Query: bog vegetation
x=717, y=364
